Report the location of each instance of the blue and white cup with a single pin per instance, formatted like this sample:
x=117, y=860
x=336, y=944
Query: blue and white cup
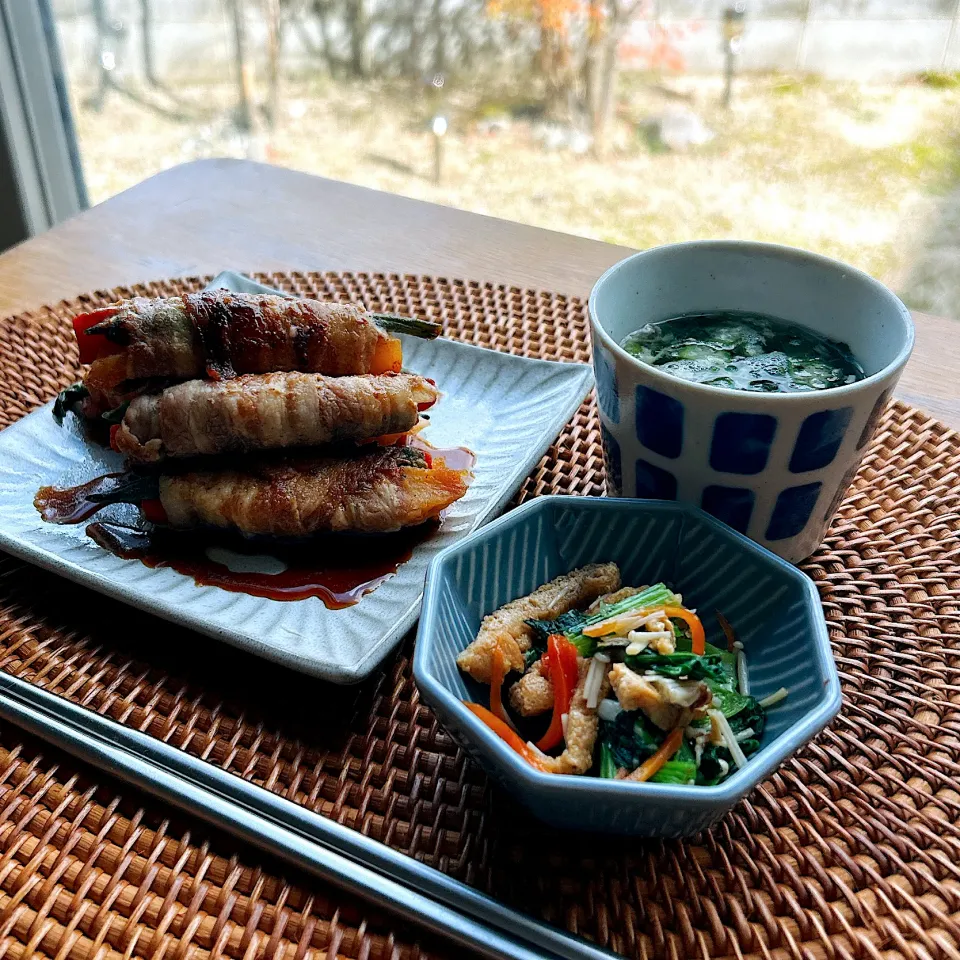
x=773, y=466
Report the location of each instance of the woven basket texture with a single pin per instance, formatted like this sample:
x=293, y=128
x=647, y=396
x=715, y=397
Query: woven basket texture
x=851, y=850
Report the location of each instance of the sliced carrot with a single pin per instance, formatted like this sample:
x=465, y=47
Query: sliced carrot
x=614, y=624
x=698, y=637
x=727, y=631
x=510, y=737
x=665, y=751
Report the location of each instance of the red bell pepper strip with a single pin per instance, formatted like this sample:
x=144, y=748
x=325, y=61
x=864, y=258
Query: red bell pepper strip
x=570, y=665
x=153, y=511
x=510, y=737
x=698, y=637
x=497, y=673
x=93, y=345
x=563, y=666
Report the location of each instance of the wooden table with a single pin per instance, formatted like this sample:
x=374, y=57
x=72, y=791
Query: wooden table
x=201, y=218
x=209, y=215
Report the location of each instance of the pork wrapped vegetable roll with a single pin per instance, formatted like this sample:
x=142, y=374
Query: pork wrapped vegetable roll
x=270, y=411
x=377, y=490
x=220, y=334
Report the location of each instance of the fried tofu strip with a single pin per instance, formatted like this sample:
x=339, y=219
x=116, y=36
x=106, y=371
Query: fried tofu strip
x=610, y=598
x=662, y=699
x=377, y=491
x=532, y=694
x=269, y=411
x=583, y=723
x=507, y=628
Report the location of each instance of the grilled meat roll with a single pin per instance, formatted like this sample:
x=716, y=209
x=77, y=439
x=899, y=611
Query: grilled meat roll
x=220, y=334
x=378, y=490
x=270, y=411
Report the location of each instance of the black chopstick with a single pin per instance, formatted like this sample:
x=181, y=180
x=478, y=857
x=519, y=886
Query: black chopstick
x=363, y=867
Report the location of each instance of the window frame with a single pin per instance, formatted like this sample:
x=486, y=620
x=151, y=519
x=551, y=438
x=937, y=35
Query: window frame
x=40, y=174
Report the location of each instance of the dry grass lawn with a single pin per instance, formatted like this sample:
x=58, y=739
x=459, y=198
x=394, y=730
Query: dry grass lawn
x=856, y=171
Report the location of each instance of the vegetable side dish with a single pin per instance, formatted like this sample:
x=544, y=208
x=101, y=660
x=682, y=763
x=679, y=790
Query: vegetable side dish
x=258, y=416
x=632, y=688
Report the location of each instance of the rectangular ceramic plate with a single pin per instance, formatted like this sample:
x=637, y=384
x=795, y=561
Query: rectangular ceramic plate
x=507, y=409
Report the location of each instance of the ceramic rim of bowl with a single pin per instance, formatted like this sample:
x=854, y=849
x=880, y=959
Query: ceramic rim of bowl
x=783, y=253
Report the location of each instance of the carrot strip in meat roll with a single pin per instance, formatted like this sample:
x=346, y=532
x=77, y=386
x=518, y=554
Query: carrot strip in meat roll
x=270, y=411
x=220, y=334
x=377, y=490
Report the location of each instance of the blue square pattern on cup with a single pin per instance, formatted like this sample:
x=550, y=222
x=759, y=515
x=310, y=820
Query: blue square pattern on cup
x=654, y=483
x=875, y=414
x=819, y=439
x=741, y=442
x=605, y=372
x=732, y=505
x=611, y=452
x=659, y=422
x=792, y=511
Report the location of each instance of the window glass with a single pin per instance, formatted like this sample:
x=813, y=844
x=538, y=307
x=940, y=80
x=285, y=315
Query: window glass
x=825, y=124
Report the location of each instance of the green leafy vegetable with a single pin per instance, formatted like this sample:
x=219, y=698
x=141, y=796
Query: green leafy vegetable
x=608, y=766
x=729, y=702
x=567, y=623
x=67, y=399
x=571, y=624
x=631, y=738
x=680, y=768
x=752, y=716
x=677, y=665
x=710, y=771
x=745, y=351
x=676, y=771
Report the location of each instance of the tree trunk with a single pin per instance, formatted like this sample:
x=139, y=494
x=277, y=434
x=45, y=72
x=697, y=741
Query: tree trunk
x=272, y=14
x=606, y=93
x=321, y=11
x=245, y=118
x=620, y=13
x=440, y=40
x=412, y=62
x=357, y=27
x=146, y=42
x=591, y=70
x=554, y=66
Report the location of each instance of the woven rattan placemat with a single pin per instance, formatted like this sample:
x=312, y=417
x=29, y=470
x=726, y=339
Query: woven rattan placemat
x=851, y=850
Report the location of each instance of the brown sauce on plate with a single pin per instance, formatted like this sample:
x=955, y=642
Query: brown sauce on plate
x=339, y=569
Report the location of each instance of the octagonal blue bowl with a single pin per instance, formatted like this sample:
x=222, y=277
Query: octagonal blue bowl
x=774, y=608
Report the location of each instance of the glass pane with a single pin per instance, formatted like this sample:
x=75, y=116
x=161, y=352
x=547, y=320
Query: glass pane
x=604, y=118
